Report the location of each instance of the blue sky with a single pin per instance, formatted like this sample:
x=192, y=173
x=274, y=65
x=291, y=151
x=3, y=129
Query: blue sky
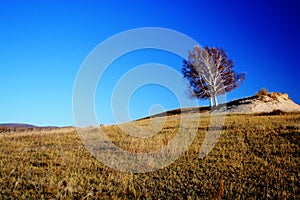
x=43, y=44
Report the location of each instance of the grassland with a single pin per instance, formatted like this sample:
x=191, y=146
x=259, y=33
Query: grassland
x=256, y=157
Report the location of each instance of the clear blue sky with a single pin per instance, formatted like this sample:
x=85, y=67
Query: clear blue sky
x=43, y=43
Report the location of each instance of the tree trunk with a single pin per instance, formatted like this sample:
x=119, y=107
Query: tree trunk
x=211, y=102
x=216, y=100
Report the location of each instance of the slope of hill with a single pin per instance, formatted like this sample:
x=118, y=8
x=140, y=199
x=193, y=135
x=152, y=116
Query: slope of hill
x=256, y=157
x=273, y=101
x=262, y=103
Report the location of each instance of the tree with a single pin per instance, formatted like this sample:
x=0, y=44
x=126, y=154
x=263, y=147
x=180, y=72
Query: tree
x=209, y=73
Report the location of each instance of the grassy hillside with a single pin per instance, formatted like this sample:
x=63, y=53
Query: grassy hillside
x=257, y=156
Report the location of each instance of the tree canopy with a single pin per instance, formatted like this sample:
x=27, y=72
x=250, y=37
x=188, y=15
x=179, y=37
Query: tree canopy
x=210, y=73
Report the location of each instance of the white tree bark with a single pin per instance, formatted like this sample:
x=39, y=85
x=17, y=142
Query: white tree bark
x=211, y=102
x=216, y=100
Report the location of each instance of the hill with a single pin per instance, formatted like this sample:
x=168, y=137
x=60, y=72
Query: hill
x=259, y=103
x=256, y=156
x=262, y=103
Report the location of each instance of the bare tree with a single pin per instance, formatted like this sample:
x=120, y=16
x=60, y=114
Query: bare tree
x=209, y=73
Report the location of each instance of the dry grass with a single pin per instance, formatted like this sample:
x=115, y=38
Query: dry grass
x=255, y=157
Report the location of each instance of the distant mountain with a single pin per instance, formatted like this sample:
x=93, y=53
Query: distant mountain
x=12, y=127
x=18, y=125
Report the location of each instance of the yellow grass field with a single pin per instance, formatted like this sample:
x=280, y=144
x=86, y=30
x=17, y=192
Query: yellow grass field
x=256, y=157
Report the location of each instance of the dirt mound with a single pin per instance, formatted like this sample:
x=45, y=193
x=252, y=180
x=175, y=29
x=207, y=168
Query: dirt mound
x=265, y=103
x=262, y=103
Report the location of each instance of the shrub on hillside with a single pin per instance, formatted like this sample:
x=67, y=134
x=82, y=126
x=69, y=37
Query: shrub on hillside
x=262, y=92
